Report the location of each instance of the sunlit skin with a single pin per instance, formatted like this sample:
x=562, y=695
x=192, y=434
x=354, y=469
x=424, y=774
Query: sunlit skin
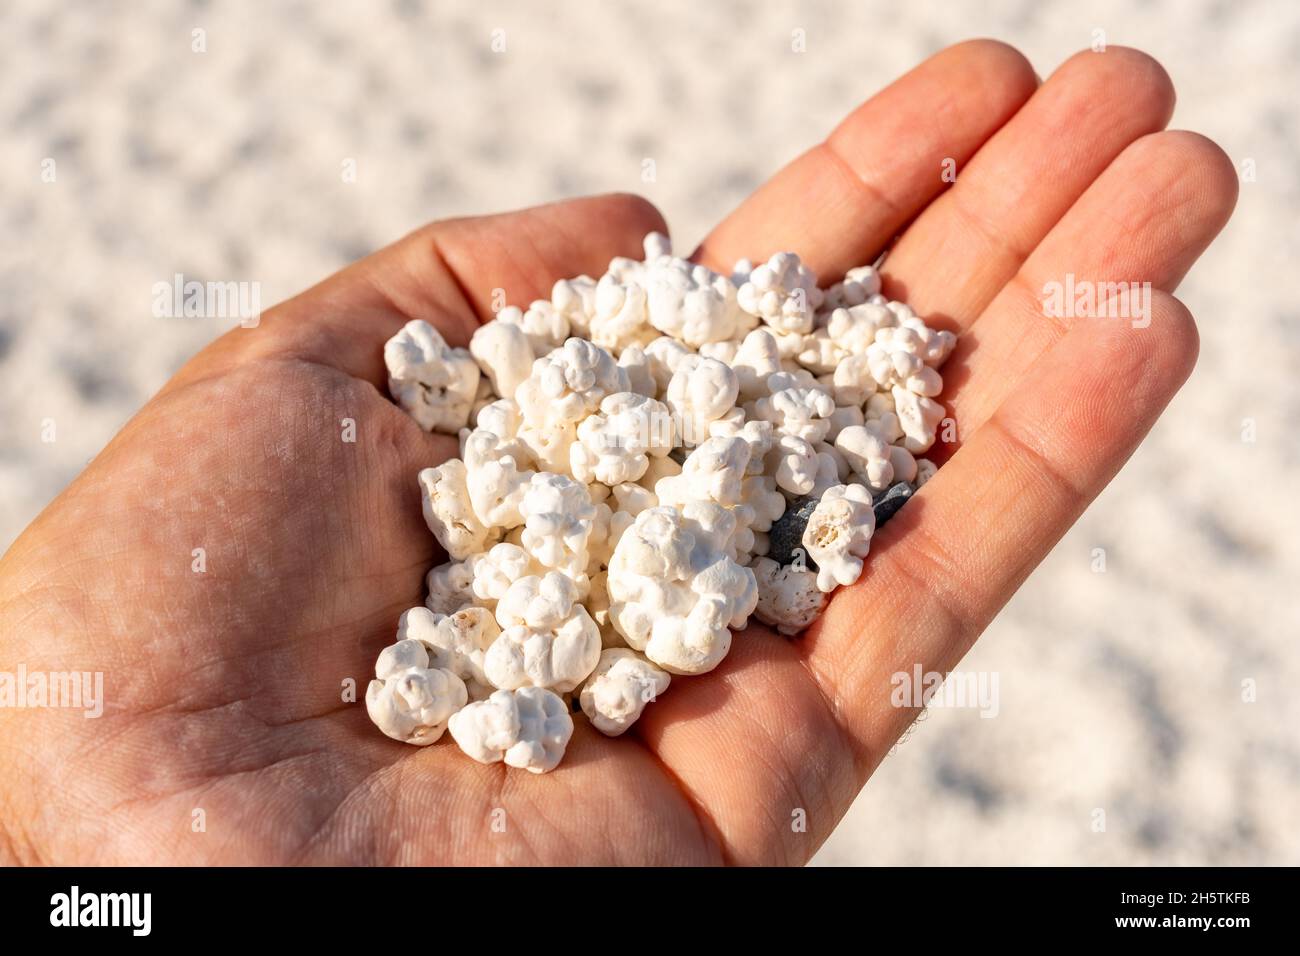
x=224, y=688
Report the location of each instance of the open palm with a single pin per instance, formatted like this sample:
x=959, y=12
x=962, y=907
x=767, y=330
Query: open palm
x=226, y=737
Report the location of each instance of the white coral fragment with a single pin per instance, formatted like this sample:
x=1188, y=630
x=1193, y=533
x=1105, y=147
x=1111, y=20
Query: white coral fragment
x=867, y=454
x=435, y=383
x=495, y=571
x=544, y=325
x=792, y=463
x=804, y=412
x=838, y=535
x=411, y=700
x=691, y=302
x=783, y=293
x=548, y=638
x=455, y=642
x=675, y=590
x=755, y=360
x=857, y=287
x=528, y=728
x=622, y=316
x=558, y=520
x=919, y=417
x=575, y=300
x=788, y=596
x=450, y=586
x=616, y=693
x=449, y=513
x=496, y=492
x=701, y=391
x=568, y=383
x=504, y=353
x=713, y=472
x=615, y=443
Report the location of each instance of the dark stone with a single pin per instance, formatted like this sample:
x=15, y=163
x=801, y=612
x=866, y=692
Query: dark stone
x=678, y=455
x=886, y=505
x=786, y=534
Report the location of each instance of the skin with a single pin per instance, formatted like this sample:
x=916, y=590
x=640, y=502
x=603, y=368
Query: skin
x=224, y=688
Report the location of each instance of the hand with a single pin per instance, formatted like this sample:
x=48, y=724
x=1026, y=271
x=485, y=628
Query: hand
x=223, y=687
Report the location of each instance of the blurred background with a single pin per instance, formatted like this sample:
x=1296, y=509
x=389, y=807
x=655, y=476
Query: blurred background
x=215, y=140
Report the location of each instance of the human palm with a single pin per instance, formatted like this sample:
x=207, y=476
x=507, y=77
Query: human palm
x=227, y=737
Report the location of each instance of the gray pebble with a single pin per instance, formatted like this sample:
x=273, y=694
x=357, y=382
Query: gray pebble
x=886, y=504
x=786, y=534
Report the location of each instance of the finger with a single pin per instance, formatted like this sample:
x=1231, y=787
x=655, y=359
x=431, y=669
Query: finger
x=1146, y=219
x=941, y=570
x=969, y=242
x=842, y=201
x=448, y=273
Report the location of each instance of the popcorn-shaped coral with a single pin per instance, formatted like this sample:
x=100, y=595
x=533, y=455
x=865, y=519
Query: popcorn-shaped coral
x=499, y=568
x=568, y=384
x=852, y=382
x=692, y=303
x=793, y=464
x=558, y=515
x=528, y=728
x=783, y=293
x=896, y=357
x=410, y=700
x=663, y=355
x=575, y=300
x=504, y=353
x=758, y=435
x=857, y=287
x=495, y=438
x=548, y=639
x=622, y=316
x=435, y=383
x=756, y=359
x=545, y=326
x=496, y=492
x=919, y=418
x=788, y=597
x=853, y=330
x=713, y=472
x=454, y=642
x=838, y=535
x=615, y=443
x=701, y=391
x=867, y=454
x=804, y=412
x=449, y=513
x=640, y=371
x=616, y=693
x=675, y=590
x=450, y=586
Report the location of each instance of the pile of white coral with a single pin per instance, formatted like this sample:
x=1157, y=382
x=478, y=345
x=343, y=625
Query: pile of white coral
x=626, y=447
